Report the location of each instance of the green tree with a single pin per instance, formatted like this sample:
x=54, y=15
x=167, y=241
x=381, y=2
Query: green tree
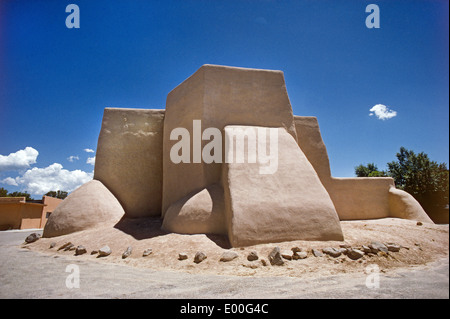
x=369, y=170
x=21, y=194
x=424, y=179
x=57, y=194
x=3, y=192
x=377, y=174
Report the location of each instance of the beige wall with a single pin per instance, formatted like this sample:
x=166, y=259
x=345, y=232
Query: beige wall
x=289, y=204
x=10, y=214
x=16, y=213
x=50, y=205
x=31, y=214
x=129, y=159
x=219, y=96
x=354, y=197
x=360, y=197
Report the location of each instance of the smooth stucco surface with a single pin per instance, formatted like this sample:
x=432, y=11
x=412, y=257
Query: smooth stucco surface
x=88, y=206
x=219, y=96
x=135, y=175
x=289, y=204
x=355, y=197
x=129, y=159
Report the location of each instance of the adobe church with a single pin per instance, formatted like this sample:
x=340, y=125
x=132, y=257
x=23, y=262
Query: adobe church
x=135, y=177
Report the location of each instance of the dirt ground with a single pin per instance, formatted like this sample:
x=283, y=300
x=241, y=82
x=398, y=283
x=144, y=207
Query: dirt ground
x=421, y=244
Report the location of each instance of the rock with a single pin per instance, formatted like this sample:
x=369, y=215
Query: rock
x=354, y=254
x=104, y=251
x=333, y=252
x=94, y=252
x=300, y=255
x=182, y=256
x=343, y=250
x=147, y=252
x=253, y=255
x=68, y=247
x=275, y=257
x=52, y=245
x=228, y=256
x=317, y=253
x=32, y=238
x=199, y=257
x=80, y=250
x=366, y=249
x=264, y=262
x=296, y=249
x=127, y=252
x=345, y=246
x=393, y=247
x=250, y=265
x=64, y=246
x=71, y=248
x=286, y=255
x=419, y=223
x=377, y=246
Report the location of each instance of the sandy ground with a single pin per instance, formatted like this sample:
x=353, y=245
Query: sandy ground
x=423, y=244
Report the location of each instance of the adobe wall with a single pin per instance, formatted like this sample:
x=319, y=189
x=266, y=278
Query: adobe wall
x=129, y=158
x=289, y=204
x=16, y=213
x=219, y=96
x=10, y=213
x=354, y=197
x=31, y=214
x=361, y=197
x=50, y=205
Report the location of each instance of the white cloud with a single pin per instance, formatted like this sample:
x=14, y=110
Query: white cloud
x=72, y=158
x=88, y=150
x=38, y=181
x=91, y=160
x=382, y=112
x=18, y=160
x=9, y=181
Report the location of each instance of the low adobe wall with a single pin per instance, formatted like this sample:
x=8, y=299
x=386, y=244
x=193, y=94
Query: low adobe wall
x=16, y=213
x=358, y=197
x=10, y=213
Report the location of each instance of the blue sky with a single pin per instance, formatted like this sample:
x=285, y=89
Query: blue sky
x=55, y=82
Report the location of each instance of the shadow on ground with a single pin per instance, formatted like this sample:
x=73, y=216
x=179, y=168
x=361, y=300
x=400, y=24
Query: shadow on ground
x=150, y=227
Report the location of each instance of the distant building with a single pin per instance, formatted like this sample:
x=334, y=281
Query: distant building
x=17, y=213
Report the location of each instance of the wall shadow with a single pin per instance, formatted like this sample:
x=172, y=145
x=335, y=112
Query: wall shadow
x=150, y=227
x=141, y=228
